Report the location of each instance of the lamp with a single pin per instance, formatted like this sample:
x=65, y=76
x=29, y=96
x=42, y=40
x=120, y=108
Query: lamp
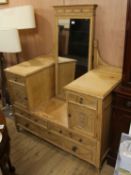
x=9, y=43
x=20, y=17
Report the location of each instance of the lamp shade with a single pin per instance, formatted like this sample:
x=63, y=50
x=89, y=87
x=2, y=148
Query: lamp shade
x=9, y=41
x=20, y=17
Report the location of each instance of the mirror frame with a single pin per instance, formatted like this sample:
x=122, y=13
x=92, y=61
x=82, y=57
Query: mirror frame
x=74, y=12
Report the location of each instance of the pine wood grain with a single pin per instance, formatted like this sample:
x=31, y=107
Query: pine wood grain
x=105, y=77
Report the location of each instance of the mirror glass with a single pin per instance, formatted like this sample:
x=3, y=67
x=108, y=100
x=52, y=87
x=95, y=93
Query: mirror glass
x=73, y=42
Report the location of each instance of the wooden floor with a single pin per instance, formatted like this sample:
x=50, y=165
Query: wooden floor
x=33, y=156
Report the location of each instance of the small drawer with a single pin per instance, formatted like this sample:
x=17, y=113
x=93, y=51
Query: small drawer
x=83, y=100
x=18, y=94
x=38, y=120
x=15, y=78
x=31, y=126
x=123, y=102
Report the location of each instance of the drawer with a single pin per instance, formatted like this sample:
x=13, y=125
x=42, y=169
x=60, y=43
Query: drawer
x=80, y=151
x=58, y=129
x=38, y=120
x=29, y=125
x=85, y=141
x=58, y=140
x=15, y=78
x=123, y=102
x=82, y=119
x=18, y=94
x=84, y=100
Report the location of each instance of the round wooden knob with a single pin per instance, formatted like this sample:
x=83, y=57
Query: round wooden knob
x=128, y=104
x=80, y=140
x=25, y=98
x=69, y=115
x=60, y=131
x=36, y=120
x=74, y=148
x=27, y=125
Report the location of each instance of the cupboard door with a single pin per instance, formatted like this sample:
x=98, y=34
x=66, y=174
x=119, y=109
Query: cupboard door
x=82, y=119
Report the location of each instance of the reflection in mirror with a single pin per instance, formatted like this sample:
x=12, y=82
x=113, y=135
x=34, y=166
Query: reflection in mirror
x=74, y=42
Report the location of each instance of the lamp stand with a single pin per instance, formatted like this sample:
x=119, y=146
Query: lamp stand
x=17, y=58
x=4, y=93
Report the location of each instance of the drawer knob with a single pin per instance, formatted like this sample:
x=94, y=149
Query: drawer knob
x=60, y=131
x=25, y=98
x=81, y=100
x=36, y=120
x=128, y=104
x=69, y=115
x=27, y=125
x=70, y=134
x=80, y=140
x=74, y=148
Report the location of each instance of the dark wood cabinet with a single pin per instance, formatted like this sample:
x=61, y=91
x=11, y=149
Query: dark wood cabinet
x=121, y=118
x=121, y=107
x=126, y=79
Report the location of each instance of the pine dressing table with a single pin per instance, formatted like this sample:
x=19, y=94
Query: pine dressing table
x=50, y=102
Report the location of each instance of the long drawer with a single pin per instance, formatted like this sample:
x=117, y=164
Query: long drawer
x=38, y=120
x=58, y=140
x=81, y=99
x=66, y=132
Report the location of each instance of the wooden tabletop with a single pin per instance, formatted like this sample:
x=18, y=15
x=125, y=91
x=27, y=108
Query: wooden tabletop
x=33, y=65
x=98, y=82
